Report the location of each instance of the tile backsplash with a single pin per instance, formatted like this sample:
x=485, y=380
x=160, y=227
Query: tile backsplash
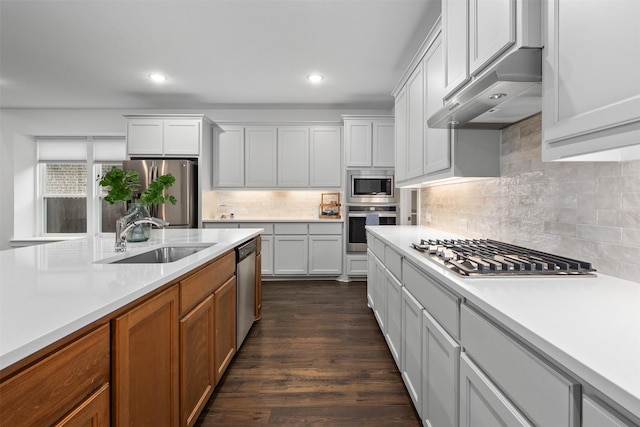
x=295, y=205
x=585, y=210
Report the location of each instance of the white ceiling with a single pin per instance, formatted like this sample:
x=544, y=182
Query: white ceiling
x=216, y=53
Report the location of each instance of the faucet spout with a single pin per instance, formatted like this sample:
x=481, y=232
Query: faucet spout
x=122, y=228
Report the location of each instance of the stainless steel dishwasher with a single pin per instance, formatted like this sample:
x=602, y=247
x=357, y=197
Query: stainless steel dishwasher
x=246, y=291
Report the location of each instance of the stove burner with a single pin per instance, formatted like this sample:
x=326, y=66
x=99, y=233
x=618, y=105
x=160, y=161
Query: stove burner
x=476, y=257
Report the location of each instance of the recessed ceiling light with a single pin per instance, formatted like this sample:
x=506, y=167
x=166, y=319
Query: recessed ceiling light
x=315, y=78
x=158, y=78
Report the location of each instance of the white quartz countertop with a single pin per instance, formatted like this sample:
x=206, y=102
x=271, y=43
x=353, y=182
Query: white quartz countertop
x=52, y=290
x=589, y=325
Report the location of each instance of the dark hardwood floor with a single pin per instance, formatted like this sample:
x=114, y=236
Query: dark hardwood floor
x=317, y=357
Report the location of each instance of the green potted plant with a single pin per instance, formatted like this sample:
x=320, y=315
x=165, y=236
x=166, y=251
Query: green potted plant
x=123, y=187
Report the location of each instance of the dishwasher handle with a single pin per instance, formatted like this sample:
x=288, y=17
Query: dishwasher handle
x=245, y=250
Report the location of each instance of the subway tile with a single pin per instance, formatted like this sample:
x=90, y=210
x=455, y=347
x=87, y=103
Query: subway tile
x=610, y=184
x=631, y=237
x=629, y=219
x=631, y=168
x=600, y=201
x=599, y=233
x=560, y=201
x=560, y=228
x=631, y=201
x=608, y=217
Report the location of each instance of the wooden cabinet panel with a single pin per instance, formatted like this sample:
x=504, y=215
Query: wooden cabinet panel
x=357, y=136
x=197, y=370
x=51, y=388
x=456, y=44
x=225, y=326
x=325, y=255
x=492, y=29
x=93, y=412
x=595, y=414
x=145, y=360
x=202, y=283
x=258, y=308
x=401, y=110
x=416, y=123
x=383, y=141
x=291, y=254
x=144, y=136
x=182, y=137
x=411, y=350
x=393, y=334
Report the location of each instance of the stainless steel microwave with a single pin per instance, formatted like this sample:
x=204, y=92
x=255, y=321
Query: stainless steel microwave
x=371, y=186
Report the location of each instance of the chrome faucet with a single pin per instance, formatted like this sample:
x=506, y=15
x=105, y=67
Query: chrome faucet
x=123, y=227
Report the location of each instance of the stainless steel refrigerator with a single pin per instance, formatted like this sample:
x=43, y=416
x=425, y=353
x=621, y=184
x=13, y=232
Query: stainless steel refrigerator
x=184, y=213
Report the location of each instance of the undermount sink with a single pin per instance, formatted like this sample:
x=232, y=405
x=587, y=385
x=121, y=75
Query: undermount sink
x=162, y=255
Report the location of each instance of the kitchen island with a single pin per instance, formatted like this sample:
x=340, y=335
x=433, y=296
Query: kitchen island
x=64, y=300
x=583, y=332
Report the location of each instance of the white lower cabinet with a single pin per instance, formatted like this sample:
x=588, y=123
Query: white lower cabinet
x=411, y=349
x=543, y=394
x=440, y=374
x=356, y=265
x=371, y=278
x=325, y=255
x=290, y=255
x=595, y=414
x=393, y=334
x=481, y=402
x=380, y=296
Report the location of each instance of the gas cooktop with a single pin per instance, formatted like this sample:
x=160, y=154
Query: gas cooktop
x=485, y=257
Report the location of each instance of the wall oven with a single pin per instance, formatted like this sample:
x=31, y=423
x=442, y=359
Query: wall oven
x=359, y=216
x=371, y=186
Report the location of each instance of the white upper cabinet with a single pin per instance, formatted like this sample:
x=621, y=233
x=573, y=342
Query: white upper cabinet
x=369, y=141
x=401, y=135
x=416, y=123
x=591, y=83
x=293, y=157
x=479, y=32
x=228, y=156
x=326, y=157
x=169, y=136
x=260, y=157
x=277, y=157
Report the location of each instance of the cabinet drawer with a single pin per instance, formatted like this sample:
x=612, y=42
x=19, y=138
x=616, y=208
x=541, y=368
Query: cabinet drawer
x=546, y=396
x=439, y=302
x=333, y=228
x=268, y=226
x=393, y=261
x=596, y=415
x=221, y=224
x=378, y=249
x=44, y=392
x=196, y=287
x=291, y=228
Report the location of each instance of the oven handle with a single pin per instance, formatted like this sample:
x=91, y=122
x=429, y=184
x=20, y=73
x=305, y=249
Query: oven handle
x=363, y=215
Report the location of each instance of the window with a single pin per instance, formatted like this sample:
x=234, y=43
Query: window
x=72, y=202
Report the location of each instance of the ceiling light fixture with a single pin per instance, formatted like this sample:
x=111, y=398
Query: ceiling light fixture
x=158, y=78
x=315, y=78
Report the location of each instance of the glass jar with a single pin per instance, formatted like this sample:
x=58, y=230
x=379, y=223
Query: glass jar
x=140, y=232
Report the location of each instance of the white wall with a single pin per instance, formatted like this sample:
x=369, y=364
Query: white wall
x=18, y=127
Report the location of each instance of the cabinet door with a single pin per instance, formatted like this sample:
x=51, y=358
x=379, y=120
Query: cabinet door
x=293, y=157
x=455, y=18
x=401, y=135
x=182, y=137
x=258, y=287
x=440, y=374
x=437, y=142
x=267, y=255
x=380, y=296
x=224, y=309
x=371, y=278
x=357, y=137
x=197, y=371
x=260, y=157
x=587, y=108
x=291, y=255
x=144, y=136
x=394, y=316
x=93, y=411
x=325, y=255
x=228, y=157
x=383, y=143
x=356, y=265
x=145, y=353
x=326, y=157
x=492, y=29
x=416, y=123
x=482, y=403
x=595, y=415
x=411, y=350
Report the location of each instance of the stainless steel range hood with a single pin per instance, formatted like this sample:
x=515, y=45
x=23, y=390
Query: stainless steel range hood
x=509, y=92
